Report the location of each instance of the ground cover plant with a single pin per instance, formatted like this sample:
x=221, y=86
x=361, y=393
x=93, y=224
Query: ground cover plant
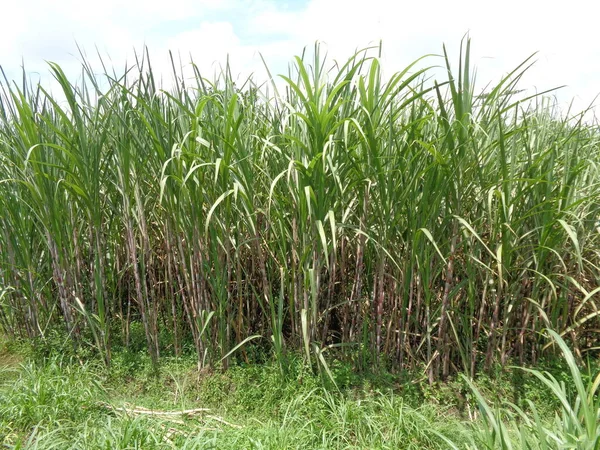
x=394, y=224
x=249, y=406
x=64, y=401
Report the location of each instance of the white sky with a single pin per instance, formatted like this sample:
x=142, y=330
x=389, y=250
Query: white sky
x=503, y=32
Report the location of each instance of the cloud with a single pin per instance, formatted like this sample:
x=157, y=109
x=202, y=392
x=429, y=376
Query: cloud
x=209, y=30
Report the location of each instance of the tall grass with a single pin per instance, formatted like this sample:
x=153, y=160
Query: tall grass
x=574, y=425
x=390, y=220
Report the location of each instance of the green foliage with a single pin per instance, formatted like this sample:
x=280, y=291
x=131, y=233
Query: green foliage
x=60, y=403
x=575, y=423
x=396, y=223
x=46, y=396
x=55, y=404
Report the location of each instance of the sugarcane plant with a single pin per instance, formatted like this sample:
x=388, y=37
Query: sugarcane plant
x=397, y=221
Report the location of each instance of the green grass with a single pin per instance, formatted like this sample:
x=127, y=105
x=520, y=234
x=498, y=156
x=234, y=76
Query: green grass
x=56, y=402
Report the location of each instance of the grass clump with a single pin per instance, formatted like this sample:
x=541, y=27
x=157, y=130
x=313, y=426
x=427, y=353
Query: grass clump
x=55, y=392
x=46, y=396
x=573, y=424
x=58, y=403
x=63, y=404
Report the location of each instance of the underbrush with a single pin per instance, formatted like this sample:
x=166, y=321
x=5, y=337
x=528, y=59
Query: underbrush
x=59, y=400
x=60, y=403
